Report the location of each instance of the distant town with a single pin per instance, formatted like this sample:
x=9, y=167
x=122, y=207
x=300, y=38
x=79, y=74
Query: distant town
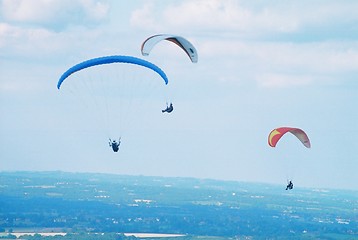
x=60, y=205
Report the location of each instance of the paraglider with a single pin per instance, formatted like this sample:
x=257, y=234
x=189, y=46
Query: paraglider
x=183, y=43
x=180, y=41
x=112, y=95
x=114, y=144
x=169, y=108
x=289, y=185
x=276, y=134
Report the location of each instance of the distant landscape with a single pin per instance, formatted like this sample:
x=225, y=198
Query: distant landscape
x=107, y=206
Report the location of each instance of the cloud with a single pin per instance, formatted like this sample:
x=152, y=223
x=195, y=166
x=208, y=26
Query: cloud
x=281, y=64
x=241, y=35
x=273, y=80
x=53, y=14
x=210, y=15
x=44, y=29
x=144, y=17
x=35, y=43
x=247, y=19
x=39, y=43
x=14, y=34
x=227, y=15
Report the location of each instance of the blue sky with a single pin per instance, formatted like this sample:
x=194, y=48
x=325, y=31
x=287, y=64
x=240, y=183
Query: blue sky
x=261, y=65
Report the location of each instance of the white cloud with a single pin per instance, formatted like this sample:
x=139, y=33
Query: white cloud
x=18, y=41
x=227, y=15
x=144, y=17
x=211, y=15
x=274, y=64
x=245, y=19
x=7, y=32
x=274, y=80
x=244, y=59
x=53, y=14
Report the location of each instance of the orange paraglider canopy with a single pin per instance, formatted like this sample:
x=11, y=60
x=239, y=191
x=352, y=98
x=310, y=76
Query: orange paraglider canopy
x=276, y=134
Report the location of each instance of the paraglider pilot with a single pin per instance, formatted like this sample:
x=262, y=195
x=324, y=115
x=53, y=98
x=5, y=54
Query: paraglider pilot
x=169, y=108
x=289, y=185
x=114, y=144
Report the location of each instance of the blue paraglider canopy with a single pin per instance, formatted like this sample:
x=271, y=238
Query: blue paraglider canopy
x=109, y=60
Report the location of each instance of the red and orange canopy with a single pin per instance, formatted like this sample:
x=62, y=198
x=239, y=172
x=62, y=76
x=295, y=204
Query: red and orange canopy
x=276, y=134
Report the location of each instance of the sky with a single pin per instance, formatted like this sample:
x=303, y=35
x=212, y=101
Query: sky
x=262, y=65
